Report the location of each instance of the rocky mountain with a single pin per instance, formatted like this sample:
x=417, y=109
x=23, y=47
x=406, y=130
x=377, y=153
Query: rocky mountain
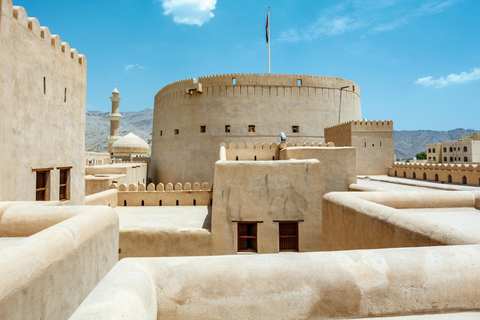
x=407, y=143
x=97, y=128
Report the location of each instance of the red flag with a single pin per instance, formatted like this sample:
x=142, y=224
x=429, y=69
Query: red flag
x=266, y=28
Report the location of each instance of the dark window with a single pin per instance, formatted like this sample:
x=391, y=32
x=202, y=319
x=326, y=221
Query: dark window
x=160, y=203
x=353, y=88
x=177, y=203
x=63, y=191
x=177, y=131
x=433, y=150
x=395, y=173
x=449, y=178
x=429, y=150
x=404, y=174
x=444, y=149
x=464, y=180
x=194, y=202
x=255, y=158
x=436, y=177
x=414, y=175
x=451, y=149
x=465, y=159
x=227, y=128
x=124, y=203
x=65, y=96
x=203, y=128
x=288, y=232
x=434, y=158
x=161, y=133
x=424, y=176
x=445, y=159
x=41, y=189
x=236, y=158
x=464, y=149
x=295, y=129
x=451, y=159
x=251, y=128
x=143, y=203
x=44, y=85
x=365, y=144
x=247, y=237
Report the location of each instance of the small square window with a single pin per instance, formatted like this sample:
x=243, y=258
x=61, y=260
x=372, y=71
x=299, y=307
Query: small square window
x=251, y=128
x=227, y=128
x=203, y=128
x=177, y=131
x=247, y=237
x=295, y=129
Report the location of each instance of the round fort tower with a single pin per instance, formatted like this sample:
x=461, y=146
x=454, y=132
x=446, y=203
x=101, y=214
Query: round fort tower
x=192, y=118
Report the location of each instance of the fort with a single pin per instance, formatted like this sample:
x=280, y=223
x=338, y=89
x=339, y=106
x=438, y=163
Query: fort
x=198, y=116
x=321, y=224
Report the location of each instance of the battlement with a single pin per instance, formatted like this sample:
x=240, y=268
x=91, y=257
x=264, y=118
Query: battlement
x=237, y=80
x=133, y=187
x=33, y=25
x=273, y=145
x=438, y=166
x=363, y=123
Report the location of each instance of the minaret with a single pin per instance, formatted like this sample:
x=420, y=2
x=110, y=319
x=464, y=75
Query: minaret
x=114, y=119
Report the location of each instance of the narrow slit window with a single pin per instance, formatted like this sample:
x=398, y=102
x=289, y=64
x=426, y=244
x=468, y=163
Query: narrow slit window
x=63, y=186
x=299, y=82
x=161, y=133
x=41, y=186
x=288, y=232
x=124, y=203
x=251, y=128
x=65, y=95
x=247, y=237
x=203, y=129
x=177, y=203
x=234, y=81
x=44, y=85
x=143, y=203
x=227, y=128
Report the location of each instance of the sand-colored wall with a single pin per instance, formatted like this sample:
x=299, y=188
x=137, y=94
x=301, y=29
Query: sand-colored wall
x=39, y=129
x=373, y=141
x=468, y=174
x=141, y=195
x=371, y=220
x=105, y=198
x=134, y=172
x=48, y=274
x=315, y=285
x=267, y=192
x=101, y=182
x=338, y=164
x=273, y=103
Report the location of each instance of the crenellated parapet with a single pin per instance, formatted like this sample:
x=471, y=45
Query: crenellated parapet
x=195, y=194
x=438, y=166
x=363, y=124
x=33, y=25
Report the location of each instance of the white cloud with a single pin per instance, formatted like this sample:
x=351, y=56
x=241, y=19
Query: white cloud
x=367, y=15
x=191, y=12
x=451, y=79
x=130, y=67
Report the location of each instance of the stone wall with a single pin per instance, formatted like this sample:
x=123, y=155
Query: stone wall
x=338, y=164
x=373, y=141
x=271, y=103
x=42, y=107
x=169, y=195
x=68, y=250
x=267, y=192
x=468, y=174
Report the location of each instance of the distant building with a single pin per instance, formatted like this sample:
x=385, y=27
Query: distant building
x=466, y=149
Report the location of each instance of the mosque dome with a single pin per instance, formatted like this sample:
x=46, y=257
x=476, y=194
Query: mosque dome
x=130, y=144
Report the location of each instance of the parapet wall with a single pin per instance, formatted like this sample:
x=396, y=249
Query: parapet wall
x=164, y=195
x=440, y=172
x=32, y=24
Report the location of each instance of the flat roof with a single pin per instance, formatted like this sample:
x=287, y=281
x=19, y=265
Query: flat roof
x=423, y=184
x=181, y=217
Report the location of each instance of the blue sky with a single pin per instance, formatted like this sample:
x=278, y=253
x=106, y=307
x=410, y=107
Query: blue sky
x=417, y=62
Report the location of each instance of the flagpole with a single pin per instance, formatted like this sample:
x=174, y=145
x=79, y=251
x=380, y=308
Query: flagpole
x=268, y=30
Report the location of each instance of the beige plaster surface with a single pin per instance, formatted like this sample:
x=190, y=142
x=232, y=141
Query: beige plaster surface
x=267, y=192
x=104, y=198
x=316, y=285
x=10, y=241
x=164, y=217
x=164, y=231
x=275, y=104
x=423, y=183
x=39, y=129
x=369, y=220
x=374, y=185
x=101, y=182
x=48, y=274
x=442, y=316
x=338, y=164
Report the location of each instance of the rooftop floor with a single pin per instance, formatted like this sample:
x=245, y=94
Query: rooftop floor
x=182, y=217
x=387, y=183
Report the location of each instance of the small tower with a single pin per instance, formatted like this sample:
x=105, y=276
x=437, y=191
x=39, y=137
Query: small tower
x=114, y=119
